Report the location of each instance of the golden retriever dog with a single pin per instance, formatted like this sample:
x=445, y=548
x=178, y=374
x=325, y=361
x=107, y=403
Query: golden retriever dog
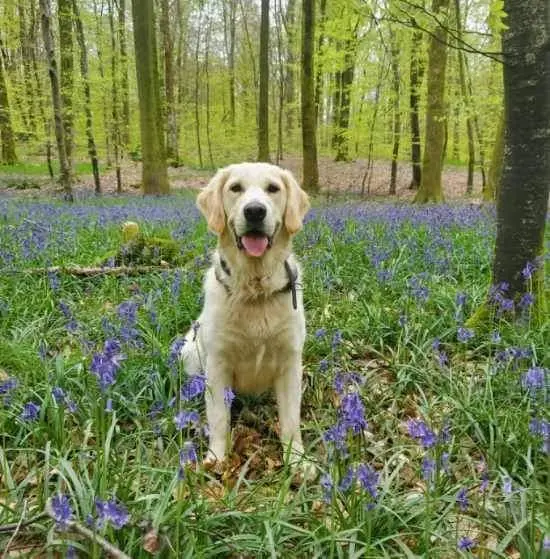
x=252, y=328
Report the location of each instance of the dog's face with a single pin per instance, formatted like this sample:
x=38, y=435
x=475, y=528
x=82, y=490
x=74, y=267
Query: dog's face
x=254, y=201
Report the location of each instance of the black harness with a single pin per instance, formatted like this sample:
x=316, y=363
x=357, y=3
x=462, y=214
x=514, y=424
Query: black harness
x=289, y=287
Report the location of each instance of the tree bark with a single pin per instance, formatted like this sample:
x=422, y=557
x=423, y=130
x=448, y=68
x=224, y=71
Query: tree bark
x=8, y=154
x=154, y=172
x=25, y=38
x=416, y=77
x=65, y=170
x=263, y=104
x=432, y=165
x=92, y=150
x=345, y=81
x=290, y=70
x=491, y=189
x=124, y=87
x=523, y=198
x=169, y=82
x=309, y=117
x=115, y=109
x=229, y=18
x=197, y=90
x=66, y=49
x=396, y=111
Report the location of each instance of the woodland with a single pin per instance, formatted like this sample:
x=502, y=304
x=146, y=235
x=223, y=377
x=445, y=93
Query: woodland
x=421, y=131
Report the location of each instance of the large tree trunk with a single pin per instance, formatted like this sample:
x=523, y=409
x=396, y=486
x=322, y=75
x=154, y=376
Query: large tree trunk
x=263, y=105
x=396, y=111
x=416, y=77
x=290, y=70
x=92, y=150
x=432, y=164
x=523, y=198
x=26, y=37
x=6, y=131
x=229, y=18
x=65, y=18
x=65, y=170
x=309, y=116
x=154, y=172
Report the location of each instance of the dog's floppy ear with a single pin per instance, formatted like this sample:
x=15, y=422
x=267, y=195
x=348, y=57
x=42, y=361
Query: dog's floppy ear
x=297, y=203
x=210, y=202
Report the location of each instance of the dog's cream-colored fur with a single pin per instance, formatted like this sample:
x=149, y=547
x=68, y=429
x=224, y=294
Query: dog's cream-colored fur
x=250, y=338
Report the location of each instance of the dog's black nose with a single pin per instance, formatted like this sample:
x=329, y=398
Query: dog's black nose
x=254, y=212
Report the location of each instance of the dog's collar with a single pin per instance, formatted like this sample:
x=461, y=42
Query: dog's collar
x=290, y=286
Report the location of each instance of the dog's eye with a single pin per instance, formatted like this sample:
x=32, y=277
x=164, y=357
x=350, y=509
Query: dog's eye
x=236, y=188
x=272, y=188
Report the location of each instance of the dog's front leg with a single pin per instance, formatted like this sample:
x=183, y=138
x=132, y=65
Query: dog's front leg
x=217, y=412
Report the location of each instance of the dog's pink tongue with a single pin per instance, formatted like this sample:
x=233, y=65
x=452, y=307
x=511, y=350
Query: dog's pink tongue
x=254, y=245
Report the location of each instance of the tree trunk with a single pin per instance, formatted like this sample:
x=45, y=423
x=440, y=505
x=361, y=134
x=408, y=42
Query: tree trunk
x=8, y=155
x=197, y=90
x=396, y=111
x=169, y=81
x=92, y=150
x=263, y=105
x=290, y=70
x=432, y=165
x=319, y=72
x=207, y=90
x=124, y=87
x=309, y=116
x=65, y=170
x=25, y=37
x=154, y=172
x=523, y=198
x=416, y=77
x=115, y=109
x=491, y=189
x=229, y=19
x=341, y=141
x=467, y=102
x=66, y=49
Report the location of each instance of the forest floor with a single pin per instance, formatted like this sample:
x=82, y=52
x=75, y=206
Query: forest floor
x=336, y=177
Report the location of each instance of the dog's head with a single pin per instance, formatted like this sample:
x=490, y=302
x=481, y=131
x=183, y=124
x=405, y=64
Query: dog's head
x=254, y=201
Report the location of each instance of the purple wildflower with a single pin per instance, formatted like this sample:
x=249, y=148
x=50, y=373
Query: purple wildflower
x=464, y=334
x=111, y=512
x=30, y=412
x=368, y=478
x=527, y=299
x=462, y=499
x=175, y=351
x=466, y=544
x=127, y=311
x=188, y=454
x=320, y=333
x=546, y=543
x=8, y=385
x=353, y=412
x=326, y=483
x=109, y=405
x=347, y=481
x=495, y=337
x=336, y=339
x=541, y=428
x=421, y=432
x=194, y=387
x=427, y=468
x=528, y=270
x=323, y=365
x=507, y=485
x=62, y=511
x=228, y=396
x=58, y=394
x=337, y=435
x=105, y=365
x=184, y=418
x=534, y=379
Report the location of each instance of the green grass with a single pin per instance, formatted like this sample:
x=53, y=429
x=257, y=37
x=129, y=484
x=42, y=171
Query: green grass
x=381, y=286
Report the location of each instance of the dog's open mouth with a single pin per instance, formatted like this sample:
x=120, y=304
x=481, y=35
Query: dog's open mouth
x=254, y=243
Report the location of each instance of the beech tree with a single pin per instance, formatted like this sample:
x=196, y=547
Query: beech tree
x=432, y=165
x=523, y=196
x=154, y=171
x=6, y=131
x=309, y=117
x=263, y=105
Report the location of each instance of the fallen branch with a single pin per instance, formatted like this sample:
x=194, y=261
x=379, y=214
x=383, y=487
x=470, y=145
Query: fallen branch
x=90, y=271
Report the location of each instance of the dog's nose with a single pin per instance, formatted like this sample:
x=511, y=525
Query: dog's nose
x=254, y=212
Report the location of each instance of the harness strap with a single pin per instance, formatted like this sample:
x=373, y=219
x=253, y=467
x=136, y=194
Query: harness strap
x=290, y=286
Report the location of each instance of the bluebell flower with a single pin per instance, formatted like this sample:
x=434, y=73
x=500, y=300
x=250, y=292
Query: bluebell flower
x=111, y=512
x=427, y=468
x=175, y=351
x=188, y=454
x=527, y=300
x=529, y=270
x=546, y=543
x=347, y=481
x=327, y=485
x=462, y=499
x=507, y=485
x=58, y=394
x=184, y=418
x=194, y=387
x=320, y=333
x=368, y=478
x=461, y=299
x=466, y=544
x=336, y=339
x=109, y=405
x=337, y=435
x=495, y=337
x=352, y=411
x=464, y=334
x=127, y=311
x=61, y=510
x=536, y=378
x=228, y=396
x=323, y=365
x=30, y=412
x=53, y=279
x=8, y=385
x=541, y=428
x=105, y=365
x=421, y=432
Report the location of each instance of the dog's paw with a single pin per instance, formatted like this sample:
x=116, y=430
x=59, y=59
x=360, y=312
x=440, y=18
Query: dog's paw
x=212, y=464
x=304, y=471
